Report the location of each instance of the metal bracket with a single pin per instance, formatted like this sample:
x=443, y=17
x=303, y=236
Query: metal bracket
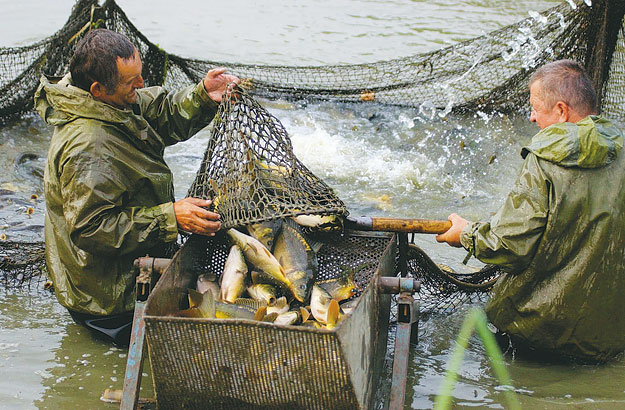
x=132, y=379
x=406, y=332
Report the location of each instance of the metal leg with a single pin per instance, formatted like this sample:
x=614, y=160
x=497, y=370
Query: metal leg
x=134, y=364
x=405, y=334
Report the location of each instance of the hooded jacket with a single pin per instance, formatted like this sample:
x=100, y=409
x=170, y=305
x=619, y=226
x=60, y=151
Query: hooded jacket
x=109, y=193
x=560, y=238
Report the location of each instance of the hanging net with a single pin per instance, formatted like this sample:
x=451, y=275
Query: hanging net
x=485, y=73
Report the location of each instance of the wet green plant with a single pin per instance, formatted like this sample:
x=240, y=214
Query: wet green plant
x=475, y=320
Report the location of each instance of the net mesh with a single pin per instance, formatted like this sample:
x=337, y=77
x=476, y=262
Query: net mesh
x=487, y=73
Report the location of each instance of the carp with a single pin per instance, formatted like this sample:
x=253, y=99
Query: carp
x=206, y=282
x=342, y=287
x=263, y=292
x=260, y=258
x=201, y=305
x=265, y=232
x=324, y=309
x=298, y=260
x=323, y=223
x=233, y=279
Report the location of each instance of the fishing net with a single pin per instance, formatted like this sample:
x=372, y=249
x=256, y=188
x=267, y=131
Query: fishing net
x=22, y=265
x=487, y=73
x=250, y=170
x=444, y=290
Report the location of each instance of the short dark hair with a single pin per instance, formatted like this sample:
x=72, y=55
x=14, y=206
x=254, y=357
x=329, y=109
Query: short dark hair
x=566, y=80
x=95, y=58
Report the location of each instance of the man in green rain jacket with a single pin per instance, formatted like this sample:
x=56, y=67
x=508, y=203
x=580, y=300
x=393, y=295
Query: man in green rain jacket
x=560, y=234
x=109, y=193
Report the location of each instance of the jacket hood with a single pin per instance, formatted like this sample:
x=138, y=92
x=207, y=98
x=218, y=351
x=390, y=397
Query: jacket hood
x=590, y=143
x=59, y=102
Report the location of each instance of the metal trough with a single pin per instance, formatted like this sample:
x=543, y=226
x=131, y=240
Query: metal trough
x=231, y=363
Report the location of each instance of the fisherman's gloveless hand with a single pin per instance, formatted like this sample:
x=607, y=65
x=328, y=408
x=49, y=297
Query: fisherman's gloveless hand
x=216, y=82
x=192, y=217
x=452, y=236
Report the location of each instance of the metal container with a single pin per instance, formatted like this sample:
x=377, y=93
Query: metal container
x=235, y=363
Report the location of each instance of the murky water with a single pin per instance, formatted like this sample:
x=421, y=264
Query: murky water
x=380, y=160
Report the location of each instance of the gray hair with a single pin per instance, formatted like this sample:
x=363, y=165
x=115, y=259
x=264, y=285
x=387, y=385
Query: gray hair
x=567, y=81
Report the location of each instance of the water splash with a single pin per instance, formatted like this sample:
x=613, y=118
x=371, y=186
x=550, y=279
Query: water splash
x=572, y=4
x=538, y=17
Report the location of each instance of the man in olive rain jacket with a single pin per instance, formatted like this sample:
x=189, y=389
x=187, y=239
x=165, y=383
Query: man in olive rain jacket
x=560, y=234
x=109, y=193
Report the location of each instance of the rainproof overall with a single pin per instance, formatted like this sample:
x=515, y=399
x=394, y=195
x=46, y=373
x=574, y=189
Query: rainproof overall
x=560, y=237
x=109, y=193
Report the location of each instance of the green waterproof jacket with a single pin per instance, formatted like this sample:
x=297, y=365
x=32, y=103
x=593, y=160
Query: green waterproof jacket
x=109, y=193
x=560, y=237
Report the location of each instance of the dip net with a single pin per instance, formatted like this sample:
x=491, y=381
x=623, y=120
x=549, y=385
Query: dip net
x=251, y=173
x=249, y=169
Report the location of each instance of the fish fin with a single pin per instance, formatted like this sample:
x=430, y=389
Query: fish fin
x=270, y=317
x=207, y=305
x=281, y=302
x=333, y=314
x=251, y=303
x=260, y=313
x=304, y=314
x=256, y=277
x=295, y=295
x=195, y=298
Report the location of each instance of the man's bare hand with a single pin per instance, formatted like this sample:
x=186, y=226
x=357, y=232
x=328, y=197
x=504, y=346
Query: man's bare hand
x=452, y=236
x=216, y=82
x=192, y=217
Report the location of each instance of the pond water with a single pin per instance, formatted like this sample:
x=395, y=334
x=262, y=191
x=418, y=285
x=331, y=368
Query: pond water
x=384, y=161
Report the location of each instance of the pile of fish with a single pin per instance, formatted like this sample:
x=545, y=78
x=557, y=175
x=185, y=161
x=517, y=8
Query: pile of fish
x=270, y=275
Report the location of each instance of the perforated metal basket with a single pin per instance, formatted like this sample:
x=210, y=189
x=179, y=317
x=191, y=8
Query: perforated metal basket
x=235, y=363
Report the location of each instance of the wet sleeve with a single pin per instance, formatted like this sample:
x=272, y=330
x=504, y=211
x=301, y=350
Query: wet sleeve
x=511, y=237
x=98, y=219
x=178, y=115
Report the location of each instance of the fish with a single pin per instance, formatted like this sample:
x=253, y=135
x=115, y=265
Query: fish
x=263, y=292
x=233, y=278
x=293, y=317
x=323, y=223
x=287, y=318
x=298, y=260
x=266, y=232
x=319, y=304
x=236, y=311
x=260, y=258
x=273, y=177
x=342, y=287
x=280, y=306
x=334, y=314
x=206, y=282
x=201, y=305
